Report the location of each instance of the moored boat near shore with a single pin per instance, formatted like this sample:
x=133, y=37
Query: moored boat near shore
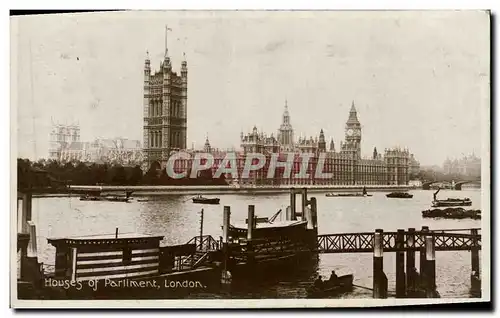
x=450, y=201
x=452, y=213
x=111, y=198
x=347, y=195
x=200, y=199
x=400, y=195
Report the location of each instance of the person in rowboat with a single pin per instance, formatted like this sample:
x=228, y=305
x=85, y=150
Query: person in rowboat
x=333, y=278
x=318, y=283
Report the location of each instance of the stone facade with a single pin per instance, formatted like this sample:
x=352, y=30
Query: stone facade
x=165, y=110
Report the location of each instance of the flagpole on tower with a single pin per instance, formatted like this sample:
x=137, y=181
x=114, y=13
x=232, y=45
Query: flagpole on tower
x=166, y=42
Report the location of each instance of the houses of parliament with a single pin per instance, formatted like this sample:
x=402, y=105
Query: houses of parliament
x=392, y=167
x=165, y=125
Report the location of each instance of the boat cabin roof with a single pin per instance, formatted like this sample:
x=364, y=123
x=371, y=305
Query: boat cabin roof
x=266, y=225
x=105, y=239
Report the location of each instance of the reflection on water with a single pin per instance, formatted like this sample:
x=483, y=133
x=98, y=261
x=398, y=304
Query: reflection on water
x=178, y=219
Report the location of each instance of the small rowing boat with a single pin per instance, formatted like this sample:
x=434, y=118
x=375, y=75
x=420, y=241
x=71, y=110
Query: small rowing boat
x=327, y=289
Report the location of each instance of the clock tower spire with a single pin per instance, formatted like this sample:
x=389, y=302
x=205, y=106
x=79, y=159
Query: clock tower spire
x=353, y=133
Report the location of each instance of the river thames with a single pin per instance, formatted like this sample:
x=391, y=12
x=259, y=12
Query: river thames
x=178, y=219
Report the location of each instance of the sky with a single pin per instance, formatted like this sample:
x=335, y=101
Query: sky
x=418, y=79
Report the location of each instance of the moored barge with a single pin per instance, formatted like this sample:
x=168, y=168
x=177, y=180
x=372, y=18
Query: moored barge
x=262, y=246
x=452, y=213
x=400, y=195
x=450, y=202
x=202, y=200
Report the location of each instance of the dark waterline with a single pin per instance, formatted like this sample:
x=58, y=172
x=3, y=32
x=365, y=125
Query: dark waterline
x=177, y=218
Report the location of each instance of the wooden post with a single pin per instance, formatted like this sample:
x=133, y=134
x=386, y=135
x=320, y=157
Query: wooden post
x=424, y=231
x=251, y=225
x=293, y=207
x=26, y=211
x=308, y=218
x=32, y=250
x=116, y=233
x=28, y=258
x=250, y=221
x=304, y=203
x=430, y=267
x=73, y=263
x=314, y=213
x=201, y=229
x=225, y=224
x=21, y=217
x=378, y=263
x=400, y=265
x=226, y=276
x=410, y=261
x=475, y=271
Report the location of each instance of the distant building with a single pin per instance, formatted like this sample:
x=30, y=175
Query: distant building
x=118, y=150
x=467, y=166
x=415, y=183
x=61, y=137
x=414, y=166
x=165, y=110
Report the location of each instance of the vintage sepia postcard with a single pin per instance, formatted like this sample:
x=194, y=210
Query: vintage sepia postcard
x=256, y=159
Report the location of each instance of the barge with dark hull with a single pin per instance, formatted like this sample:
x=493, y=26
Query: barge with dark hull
x=400, y=195
x=450, y=202
x=264, y=246
x=109, y=197
x=347, y=195
x=202, y=200
x=452, y=213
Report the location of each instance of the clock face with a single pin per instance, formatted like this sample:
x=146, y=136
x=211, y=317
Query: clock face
x=357, y=132
x=350, y=132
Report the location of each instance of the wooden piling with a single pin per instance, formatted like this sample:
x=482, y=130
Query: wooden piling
x=251, y=225
x=21, y=216
x=250, y=221
x=225, y=224
x=304, y=202
x=293, y=205
x=116, y=233
x=475, y=270
x=27, y=206
x=32, y=249
x=400, y=264
x=430, y=267
x=201, y=228
x=226, y=276
x=314, y=213
x=29, y=268
x=378, y=265
x=410, y=261
x=424, y=231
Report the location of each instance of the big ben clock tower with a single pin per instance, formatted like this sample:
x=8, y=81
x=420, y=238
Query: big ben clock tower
x=353, y=133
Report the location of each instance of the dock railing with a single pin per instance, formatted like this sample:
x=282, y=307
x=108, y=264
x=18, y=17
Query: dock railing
x=205, y=243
